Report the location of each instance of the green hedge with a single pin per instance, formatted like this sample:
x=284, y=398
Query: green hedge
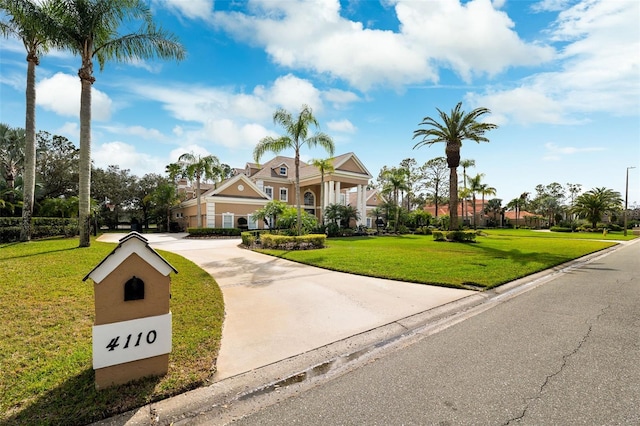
x=285, y=242
x=41, y=227
x=214, y=232
x=560, y=229
x=251, y=237
x=455, y=236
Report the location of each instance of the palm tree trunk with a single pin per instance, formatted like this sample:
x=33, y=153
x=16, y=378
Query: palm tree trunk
x=453, y=198
x=297, y=189
x=322, y=197
x=198, y=207
x=84, y=193
x=30, y=151
x=473, y=200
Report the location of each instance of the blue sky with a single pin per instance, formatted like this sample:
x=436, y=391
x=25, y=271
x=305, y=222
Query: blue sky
x=562, y=79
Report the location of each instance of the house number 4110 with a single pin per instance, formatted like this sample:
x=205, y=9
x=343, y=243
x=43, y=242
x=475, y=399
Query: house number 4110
x=149, y=338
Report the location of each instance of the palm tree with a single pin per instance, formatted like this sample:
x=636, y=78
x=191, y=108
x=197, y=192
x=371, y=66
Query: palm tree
x=465, y=164
x=197, y=167
x=516, y=204
x=592, y=204
x=324, y=166
x=455, y=128
x=485, y=189
x=297, y=136
x=396, y=180
x=31, y=23
x=91, y=29
x=475, y=187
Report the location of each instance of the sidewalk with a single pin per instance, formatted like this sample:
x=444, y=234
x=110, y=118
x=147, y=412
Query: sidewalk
x=276, y=309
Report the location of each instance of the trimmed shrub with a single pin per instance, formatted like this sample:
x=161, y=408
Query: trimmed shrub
x=455, y=236
x=214, y=232
x=287, y=242
x=560, y=229
x=41, y=227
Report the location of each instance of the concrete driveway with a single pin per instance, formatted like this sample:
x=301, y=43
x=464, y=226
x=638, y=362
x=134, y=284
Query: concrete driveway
x=276, y=309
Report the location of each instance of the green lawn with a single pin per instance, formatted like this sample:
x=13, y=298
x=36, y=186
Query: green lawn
x=499, y=257
x=47, y=314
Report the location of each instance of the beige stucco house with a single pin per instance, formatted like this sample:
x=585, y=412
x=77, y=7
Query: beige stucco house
x=231, y=203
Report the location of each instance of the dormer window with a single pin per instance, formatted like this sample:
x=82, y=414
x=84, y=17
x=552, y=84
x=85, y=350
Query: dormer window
x=283, y=171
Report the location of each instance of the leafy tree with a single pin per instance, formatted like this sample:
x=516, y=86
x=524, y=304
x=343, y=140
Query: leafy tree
x=288, y=219
x=116, y=185
x=474, y=187
x=164, y=197
x=410, y=165
x=574, y=189
x=434, y=172
x=197, y=167
x=455, y=127
x=91, y=29
x=31, y=23
x=549, y=201
x=270, y=213
x=324, y=166
x=143, y=195
x=56, y=166
x=173, y=171
x=594, y=203
x=12, y=142
x=297, y=136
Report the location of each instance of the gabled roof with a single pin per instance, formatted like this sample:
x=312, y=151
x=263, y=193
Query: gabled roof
x=267, y=170
x=370, y=195
x=132, y=243
x=237, y=179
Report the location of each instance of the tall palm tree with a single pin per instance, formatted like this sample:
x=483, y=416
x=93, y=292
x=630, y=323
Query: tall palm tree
x=592, y=204
x=485, y=189
x=324, y=166
x=92, y=30
x=297, y=136
x=396, y=180
x=455, y=128
x=465, y=164
x=474, y=187
x=200, y=167
x=31, y=23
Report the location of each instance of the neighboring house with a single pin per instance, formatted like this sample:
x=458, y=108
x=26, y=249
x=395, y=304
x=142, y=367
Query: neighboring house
x=465, y=214
x=232, y=202
x=525, y=218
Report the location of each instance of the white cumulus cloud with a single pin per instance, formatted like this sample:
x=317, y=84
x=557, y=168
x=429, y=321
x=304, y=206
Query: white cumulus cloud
x=61, y=94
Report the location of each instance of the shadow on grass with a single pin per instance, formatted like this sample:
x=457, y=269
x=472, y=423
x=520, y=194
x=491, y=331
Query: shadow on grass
x=77, y=402
x=39, y=253
x=515, y=255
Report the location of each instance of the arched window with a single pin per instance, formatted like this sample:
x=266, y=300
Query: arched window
x=309, y=199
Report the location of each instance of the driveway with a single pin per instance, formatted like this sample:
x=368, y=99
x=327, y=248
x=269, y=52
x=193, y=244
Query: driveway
x=276, y=309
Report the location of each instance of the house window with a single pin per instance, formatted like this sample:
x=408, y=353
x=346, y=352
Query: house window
x=269, y=191
x=309, y=199
x=284, y=194
x=283, y=171
x=227, y=220
x=253, y=223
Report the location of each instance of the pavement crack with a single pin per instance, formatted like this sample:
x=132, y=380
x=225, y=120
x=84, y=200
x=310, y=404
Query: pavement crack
x=565, y=359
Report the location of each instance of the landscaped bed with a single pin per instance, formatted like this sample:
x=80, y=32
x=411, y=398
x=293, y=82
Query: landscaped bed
x=497, y=256
x=47, y=314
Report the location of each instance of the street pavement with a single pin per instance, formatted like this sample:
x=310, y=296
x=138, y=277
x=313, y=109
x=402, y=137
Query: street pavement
x=289, y=327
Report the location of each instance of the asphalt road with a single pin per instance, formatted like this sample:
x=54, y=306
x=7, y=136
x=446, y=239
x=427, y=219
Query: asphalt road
x=564, y=353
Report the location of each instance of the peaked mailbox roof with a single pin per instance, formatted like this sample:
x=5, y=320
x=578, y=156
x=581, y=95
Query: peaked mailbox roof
x=130, y=244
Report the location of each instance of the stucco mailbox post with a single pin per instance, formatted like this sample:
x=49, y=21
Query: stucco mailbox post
x=132, y=329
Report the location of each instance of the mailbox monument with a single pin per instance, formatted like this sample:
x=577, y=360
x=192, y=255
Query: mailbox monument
x=132, y=329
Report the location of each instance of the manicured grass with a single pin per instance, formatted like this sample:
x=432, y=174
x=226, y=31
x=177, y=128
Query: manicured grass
x=495, y=259
x=47, y=314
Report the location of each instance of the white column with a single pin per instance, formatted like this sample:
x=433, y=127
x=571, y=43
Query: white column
x=332, y=195
x=326, y=195
x=363, y=205
x=359, y=203
x=337, y=192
